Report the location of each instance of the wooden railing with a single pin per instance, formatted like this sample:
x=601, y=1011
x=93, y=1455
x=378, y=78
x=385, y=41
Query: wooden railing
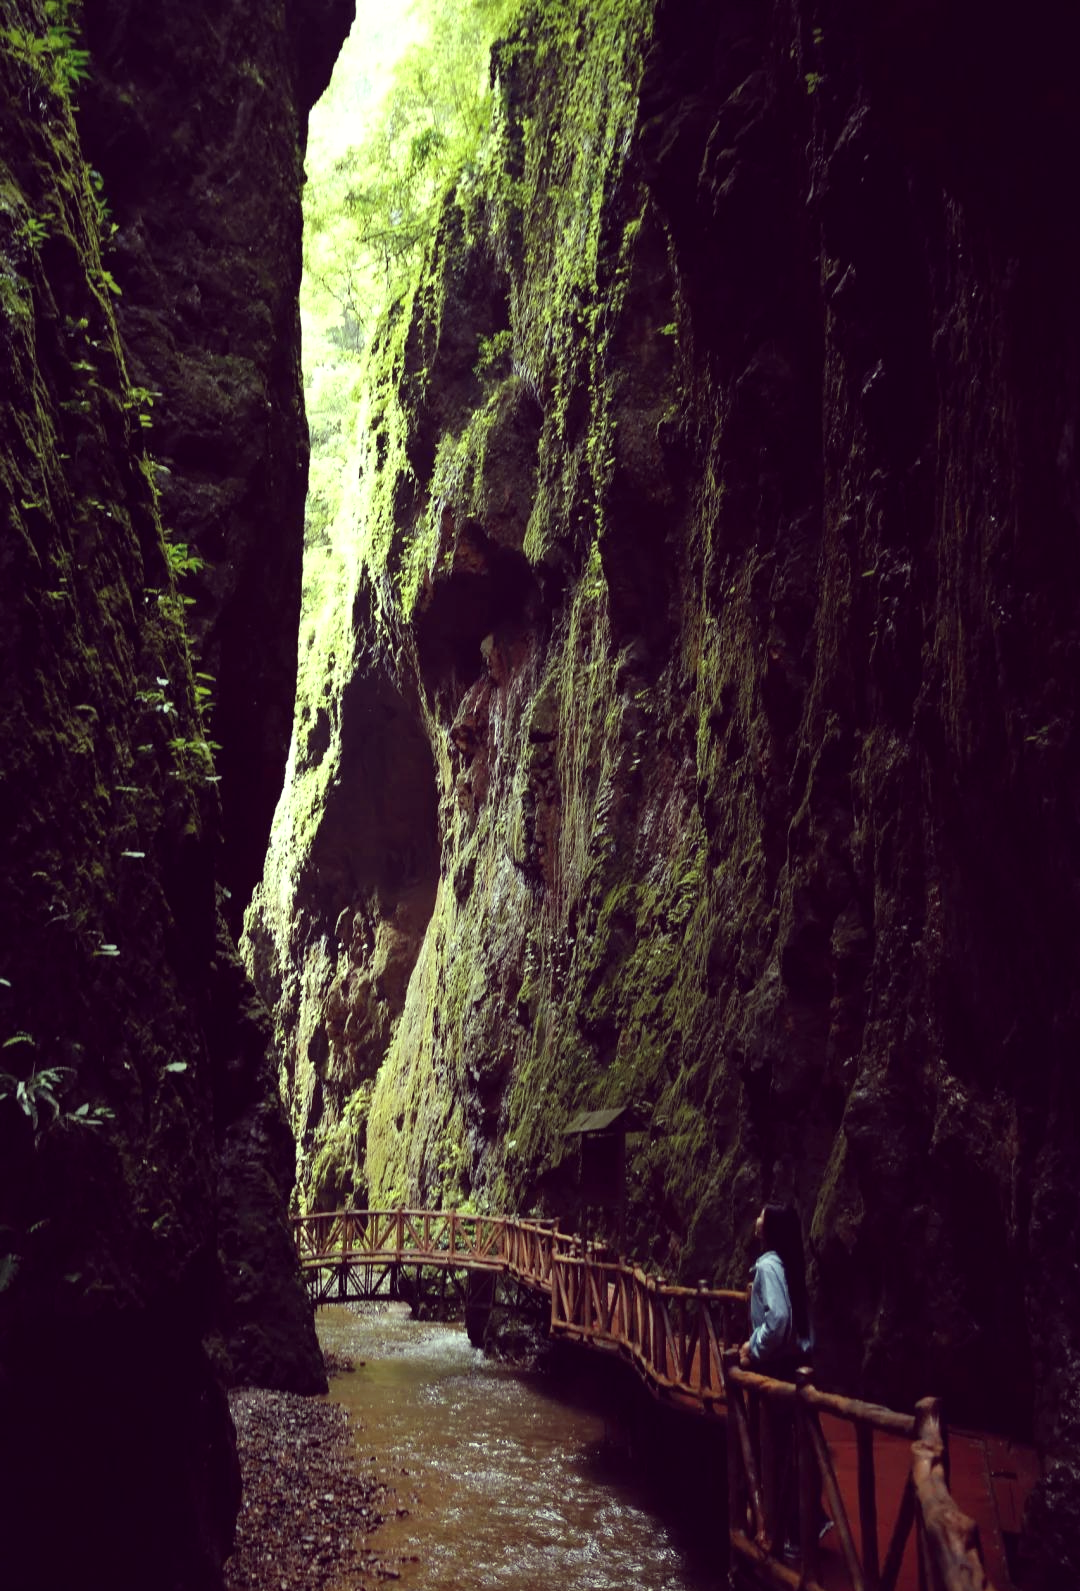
x=673, y=1336
x=428, y=1237
x=779, y=1466
x=680, y=1340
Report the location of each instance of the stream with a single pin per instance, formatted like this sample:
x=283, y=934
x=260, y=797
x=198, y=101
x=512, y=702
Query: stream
x=508, y=1479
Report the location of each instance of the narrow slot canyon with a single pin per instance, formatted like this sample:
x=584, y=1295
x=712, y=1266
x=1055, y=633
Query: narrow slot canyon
x=540, y=584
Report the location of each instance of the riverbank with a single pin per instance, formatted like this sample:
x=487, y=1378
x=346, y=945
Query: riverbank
x=310, y=1505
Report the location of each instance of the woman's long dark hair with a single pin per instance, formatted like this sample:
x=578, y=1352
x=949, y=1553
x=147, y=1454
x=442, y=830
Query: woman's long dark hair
x=780, y=1230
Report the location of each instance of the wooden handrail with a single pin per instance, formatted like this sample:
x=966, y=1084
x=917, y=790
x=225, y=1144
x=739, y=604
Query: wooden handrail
x=947, y=1539
x=678, y=1339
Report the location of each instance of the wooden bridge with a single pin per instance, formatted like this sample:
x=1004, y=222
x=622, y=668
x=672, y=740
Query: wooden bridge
x=910, y=1506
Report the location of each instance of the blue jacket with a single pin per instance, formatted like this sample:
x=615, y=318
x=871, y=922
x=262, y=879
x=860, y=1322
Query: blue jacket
x=772, y=1325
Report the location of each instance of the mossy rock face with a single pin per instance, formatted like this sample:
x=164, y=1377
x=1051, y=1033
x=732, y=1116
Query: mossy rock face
x=750, y=755
x=145, y=1164
x=202, y=168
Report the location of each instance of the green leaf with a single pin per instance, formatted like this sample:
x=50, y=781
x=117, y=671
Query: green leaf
x=176, y=1066
x=26, y=1102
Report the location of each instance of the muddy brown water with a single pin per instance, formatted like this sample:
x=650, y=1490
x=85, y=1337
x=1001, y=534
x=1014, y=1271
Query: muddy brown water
x=510, y=1482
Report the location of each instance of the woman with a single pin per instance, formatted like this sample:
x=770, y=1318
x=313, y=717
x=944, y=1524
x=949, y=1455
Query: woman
x=780, y=1337
x=780, y=1340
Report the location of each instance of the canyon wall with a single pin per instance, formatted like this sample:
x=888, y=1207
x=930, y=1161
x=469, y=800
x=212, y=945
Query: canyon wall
x=149, y=266
x=197, y=128
x=698, y=726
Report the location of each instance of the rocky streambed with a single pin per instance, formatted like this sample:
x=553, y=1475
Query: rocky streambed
x=309, y=1507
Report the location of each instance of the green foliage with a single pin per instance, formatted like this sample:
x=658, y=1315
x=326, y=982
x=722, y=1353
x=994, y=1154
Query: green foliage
x=53, y=58
x=368, y=217
x=371, y=203
x=107, y=227
x=492, y=351
x=34, y=1092
x=140, y=400
x=87, y=1115
x=195, y=757
x=182, y=561
x=204, y=692
x=34, y=230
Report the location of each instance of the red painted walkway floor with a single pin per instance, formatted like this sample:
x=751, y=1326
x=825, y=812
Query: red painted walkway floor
x=990, y=1479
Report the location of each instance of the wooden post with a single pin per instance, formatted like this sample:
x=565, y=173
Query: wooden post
x=809, y=1479
x=928, y=1431
x=923, y=1553
x=738, y=1416
x=658, y=1357
x=736, y=1488
x=704, y=1359
x=770, y=1462
x=868, y=1530
x=930, y=1427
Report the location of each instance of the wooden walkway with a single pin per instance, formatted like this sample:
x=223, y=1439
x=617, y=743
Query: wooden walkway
x=911, y=1507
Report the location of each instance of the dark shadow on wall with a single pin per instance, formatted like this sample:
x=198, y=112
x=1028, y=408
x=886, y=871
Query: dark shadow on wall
x=378, y=837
